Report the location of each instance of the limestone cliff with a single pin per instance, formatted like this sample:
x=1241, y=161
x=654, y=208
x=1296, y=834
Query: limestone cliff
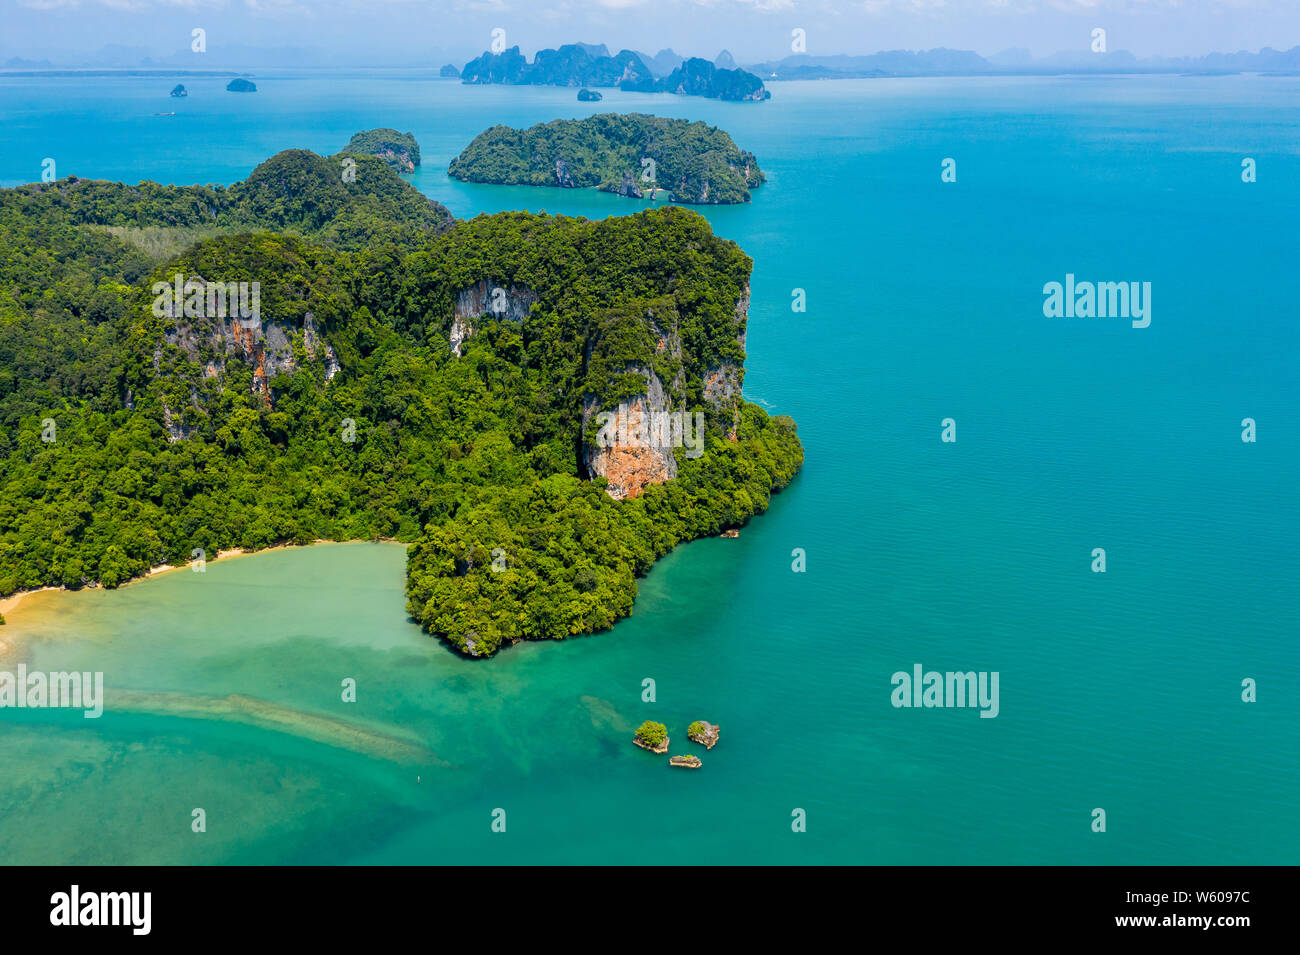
x=723, y=381
x=627, y=409
x=491, y=299
x=211, y=341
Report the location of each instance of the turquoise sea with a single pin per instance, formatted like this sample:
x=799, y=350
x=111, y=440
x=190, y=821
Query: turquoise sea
x=1119, y=691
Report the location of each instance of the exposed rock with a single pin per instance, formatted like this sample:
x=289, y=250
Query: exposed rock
x=705, y=733
x=589, y=96
x=563, y=177
x=649, y=731
x=731, y=533
x=685, y=762
x=628, y=187
x=722, y=382
x=176, y=431
x=494, y=299
x=241, y=86
x=265, y=346
x=179, y=90
x=629, y=465
x=399, y=150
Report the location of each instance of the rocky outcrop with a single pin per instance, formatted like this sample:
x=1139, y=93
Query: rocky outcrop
x=399, y=150
x=172, y=424
x=589, y=96
x=628, y=187
x=704, y=733
x=312, y=343
x=722, y=382
x=634, y=413
x=267, y=347
x=563, y=178
x=624, y=456
x=661, y=748
x=685, y=762
x=630, y=442
x=498, y=300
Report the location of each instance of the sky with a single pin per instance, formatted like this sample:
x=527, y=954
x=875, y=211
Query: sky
x=431, y=32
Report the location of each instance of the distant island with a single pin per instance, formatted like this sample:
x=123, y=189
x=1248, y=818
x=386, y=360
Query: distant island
x=179, y=90
x=1019, y=62
x=629, y=154
x=399, y=150
x=589, y=96
x=585, y=65
x=241, y=86
x=449, y=71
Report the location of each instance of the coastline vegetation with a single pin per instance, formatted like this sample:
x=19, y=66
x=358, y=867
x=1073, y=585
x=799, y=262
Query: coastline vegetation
x=624, y=153
x=652, y=735
x=130, y=439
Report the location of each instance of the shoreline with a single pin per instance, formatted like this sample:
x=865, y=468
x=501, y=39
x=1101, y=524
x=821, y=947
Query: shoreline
x=13, y=603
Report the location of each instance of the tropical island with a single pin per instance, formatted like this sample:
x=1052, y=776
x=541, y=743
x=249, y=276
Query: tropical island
x=179, y=90
x=589, y=96
x=396, y=375
x=628, y=154
x=652, y=736
x=399, y=150
x=588, y=65
x=685, y=762
x=241, y=86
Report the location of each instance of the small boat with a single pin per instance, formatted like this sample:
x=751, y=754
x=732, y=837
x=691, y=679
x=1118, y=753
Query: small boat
x=172, y=113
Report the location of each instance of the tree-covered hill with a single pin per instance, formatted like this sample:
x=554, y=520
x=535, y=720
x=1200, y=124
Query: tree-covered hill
x=627, y=153
x=399, y=150
x=137, y=428
x=580, y=64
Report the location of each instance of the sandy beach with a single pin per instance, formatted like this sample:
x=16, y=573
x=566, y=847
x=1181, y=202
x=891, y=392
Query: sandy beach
x=12, y=604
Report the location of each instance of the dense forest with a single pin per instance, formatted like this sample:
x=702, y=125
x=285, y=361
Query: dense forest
x=628, y=153
x=134, y=434
x=399, y=150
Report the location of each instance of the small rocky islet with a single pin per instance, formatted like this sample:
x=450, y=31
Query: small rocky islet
x=653, y=737
x=704, y=733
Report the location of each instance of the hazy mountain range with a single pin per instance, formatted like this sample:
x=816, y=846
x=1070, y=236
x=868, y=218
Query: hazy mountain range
x=936, y=62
